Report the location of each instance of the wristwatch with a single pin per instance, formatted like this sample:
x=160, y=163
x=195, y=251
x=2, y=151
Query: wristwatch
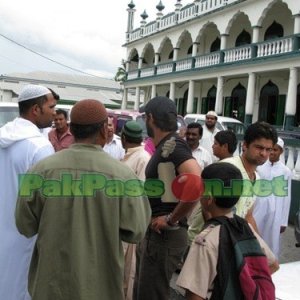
x=168, y=220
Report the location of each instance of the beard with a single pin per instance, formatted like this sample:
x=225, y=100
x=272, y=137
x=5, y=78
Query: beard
x=210, y=126
x=149, y=131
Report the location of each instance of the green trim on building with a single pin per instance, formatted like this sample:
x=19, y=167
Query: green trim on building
x=248, y=120
x=289, y=122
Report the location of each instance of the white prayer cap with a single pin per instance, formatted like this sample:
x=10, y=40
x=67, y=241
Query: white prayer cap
x=212, y=113
x=280, y=142
x=32, y=91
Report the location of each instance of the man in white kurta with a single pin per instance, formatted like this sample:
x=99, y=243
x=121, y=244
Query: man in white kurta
x=21, y=146
x=271, y=212
x=209, y=132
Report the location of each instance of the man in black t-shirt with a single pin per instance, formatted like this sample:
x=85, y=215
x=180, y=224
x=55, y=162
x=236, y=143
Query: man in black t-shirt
x=161, y=250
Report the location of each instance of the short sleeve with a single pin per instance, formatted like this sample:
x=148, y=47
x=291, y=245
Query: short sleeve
x=200, y=267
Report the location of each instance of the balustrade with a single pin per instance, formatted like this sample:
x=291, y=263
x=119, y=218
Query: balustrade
x=207, y=60
x=186, y=13
x=164, y=68
x=277, y=46
x=147, y=72
x=237, y=54
x=184, y=64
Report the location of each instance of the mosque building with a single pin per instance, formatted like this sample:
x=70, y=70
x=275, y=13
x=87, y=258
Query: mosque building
x=240, y=58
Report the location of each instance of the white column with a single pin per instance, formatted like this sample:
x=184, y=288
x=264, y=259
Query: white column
x=255, y=36
x=175, y=54
x=199, y=94
x=140, y=63
x=291, y=99
x=250, y=94
x=127, y=65
x=194, y=49
x=137, y=98
x=156, y=58
x=153, y=91
x=190, y=100
x=125, y=98
x=223, y=41
x=219, y=98
x=172, y=91
x=296, y=24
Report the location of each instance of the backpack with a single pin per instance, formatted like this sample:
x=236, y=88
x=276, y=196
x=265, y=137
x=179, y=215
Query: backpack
x=242, y=267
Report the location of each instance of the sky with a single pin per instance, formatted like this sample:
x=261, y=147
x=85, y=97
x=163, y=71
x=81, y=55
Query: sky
x=84, y=35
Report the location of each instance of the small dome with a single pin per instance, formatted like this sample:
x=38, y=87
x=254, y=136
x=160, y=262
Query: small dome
x=131, y=5
x=144, y=15
x=160, y=6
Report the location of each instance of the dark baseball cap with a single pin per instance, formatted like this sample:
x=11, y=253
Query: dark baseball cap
x=160, y=107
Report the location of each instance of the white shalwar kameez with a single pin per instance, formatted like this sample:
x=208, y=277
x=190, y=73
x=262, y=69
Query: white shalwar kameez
x=21, y=146
x=207, y=140
x=272, y=212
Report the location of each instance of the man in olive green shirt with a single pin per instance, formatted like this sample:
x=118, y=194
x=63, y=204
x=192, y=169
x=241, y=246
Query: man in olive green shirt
x=81, y=203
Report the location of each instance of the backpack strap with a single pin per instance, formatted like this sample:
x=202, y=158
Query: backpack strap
x=233, y=232
x=226, y=262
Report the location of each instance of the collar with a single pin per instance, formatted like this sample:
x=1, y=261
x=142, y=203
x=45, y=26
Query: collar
x=134, y=149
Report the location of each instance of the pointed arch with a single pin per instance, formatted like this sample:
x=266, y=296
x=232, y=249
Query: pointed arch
x=184, y=43
x=209, y=102
x=165, y=50
x=148, y=54
x=237, y=16
x=275, y=30
x=271, y=106
x=244, y=38
x=269, y=7
x=235, y=105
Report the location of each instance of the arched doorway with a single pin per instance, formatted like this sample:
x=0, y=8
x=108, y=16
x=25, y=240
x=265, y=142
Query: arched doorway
x=235, y=105
x=244, y=38
x=274, y=31
x=209, y=102
x=216, y=45
x=271, y=105
x=181, y=103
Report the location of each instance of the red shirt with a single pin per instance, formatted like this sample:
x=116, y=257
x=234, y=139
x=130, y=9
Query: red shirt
x=60, y=143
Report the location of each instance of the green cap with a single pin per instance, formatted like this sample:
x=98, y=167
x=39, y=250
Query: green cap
x=132, y=129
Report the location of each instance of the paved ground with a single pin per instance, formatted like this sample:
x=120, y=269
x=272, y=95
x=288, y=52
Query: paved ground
x=289, y=253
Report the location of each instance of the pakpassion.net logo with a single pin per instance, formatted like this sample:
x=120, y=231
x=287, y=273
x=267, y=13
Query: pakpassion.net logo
x=185, y=187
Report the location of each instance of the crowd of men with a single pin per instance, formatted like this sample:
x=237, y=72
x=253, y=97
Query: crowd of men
x=85, y=214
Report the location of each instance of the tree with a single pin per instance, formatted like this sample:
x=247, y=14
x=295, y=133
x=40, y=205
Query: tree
x=121, y=75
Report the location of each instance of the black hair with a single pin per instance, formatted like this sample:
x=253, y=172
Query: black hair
x=260, y=130
x=55, y=95
x=227, y=137
x=196, y=125
x=168, y=124
x=25, y=106
x=220, y=175
x=85, y=131
x=130, y=139
x=62, y=112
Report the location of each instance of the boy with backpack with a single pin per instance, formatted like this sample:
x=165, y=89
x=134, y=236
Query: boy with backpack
x=227, y=260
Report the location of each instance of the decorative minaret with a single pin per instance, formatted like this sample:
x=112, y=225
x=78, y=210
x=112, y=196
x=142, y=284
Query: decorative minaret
x=144, y=16
x=130, y=20
x=159, y=14
x=197, y=3
x=178, y=6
